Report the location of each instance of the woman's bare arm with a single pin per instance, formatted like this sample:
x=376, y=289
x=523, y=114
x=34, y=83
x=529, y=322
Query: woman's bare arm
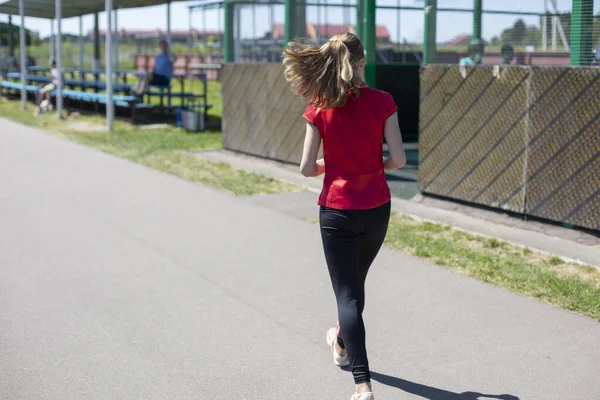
x=310, y=166
x=393, y=137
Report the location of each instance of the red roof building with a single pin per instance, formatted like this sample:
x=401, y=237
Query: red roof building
x=313, y=31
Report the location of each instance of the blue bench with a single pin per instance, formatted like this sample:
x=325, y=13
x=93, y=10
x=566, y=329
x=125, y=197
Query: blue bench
x=83, y=84
x=129, y=102
x=18, y=86
x=101, y=98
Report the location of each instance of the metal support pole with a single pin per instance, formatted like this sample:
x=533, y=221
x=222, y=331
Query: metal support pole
x=116, y=42
x=398, y=30
x=346, y=17
x=96, y=42
x=430, y=31
x=22, y=50
x=318, y=27
x=477, y=15
x=326, y=18
x=11, y=40
x=110, y=111
x=204, y=28
x=554, y=28
x=191, y=36
x=237, y=43
x=581, y=32
x=228, y=31
x=52, y=40
x=253, y=53
x=561, y=30
x=59, y=63
x=169, y=24
x=370, y=44
x=291, y=23
x=545, y=27
x=81, y=45
x=360, y=18
x=300, y=18
x=1, y=46
x=220, y=19
x=272, y=25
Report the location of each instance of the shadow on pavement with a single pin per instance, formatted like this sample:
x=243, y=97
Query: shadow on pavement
x=432, y=393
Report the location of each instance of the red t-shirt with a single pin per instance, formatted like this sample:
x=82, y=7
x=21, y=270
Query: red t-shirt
x=353, y=150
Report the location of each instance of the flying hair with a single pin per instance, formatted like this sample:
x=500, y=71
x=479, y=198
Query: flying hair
x=324, y=76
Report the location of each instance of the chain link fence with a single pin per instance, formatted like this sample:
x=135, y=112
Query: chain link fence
x=532, y=32
x=517, y=32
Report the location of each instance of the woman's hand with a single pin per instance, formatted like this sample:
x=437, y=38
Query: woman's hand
x=320, y=166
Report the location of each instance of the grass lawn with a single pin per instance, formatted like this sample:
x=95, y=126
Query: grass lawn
x=568, y=285
x=164, y=148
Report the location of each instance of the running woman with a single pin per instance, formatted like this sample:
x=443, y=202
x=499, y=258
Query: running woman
x=351, y=120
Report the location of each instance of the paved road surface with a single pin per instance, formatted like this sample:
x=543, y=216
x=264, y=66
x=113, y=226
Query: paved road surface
x=119, y=282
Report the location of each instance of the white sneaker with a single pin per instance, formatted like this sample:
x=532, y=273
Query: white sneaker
x=332, y=334
x=363, y=396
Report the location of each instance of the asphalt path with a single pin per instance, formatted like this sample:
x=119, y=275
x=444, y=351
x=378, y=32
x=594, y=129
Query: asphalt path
x=120, y=282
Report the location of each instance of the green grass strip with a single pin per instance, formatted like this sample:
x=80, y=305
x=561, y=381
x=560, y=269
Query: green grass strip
x=548, y=278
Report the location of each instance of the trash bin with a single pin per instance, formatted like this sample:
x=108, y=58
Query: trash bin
x=192, y=120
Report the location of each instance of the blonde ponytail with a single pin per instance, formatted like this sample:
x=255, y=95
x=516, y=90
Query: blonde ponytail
x=324, y=76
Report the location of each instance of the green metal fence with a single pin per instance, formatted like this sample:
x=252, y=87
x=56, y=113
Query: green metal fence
x=532, y=32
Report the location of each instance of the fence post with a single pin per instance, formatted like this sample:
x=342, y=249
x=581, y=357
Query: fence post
x=96, y=44
x=290, y=20
x=360, y=10
x=228, y=14
x=477, y=12
x=11, y=40
x=300, y=19
x=581, y=32
x=430, y=29
x=370, y=41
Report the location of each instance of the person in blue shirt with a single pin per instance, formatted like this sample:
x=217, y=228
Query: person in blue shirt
x=475, y=56
x=163, y=70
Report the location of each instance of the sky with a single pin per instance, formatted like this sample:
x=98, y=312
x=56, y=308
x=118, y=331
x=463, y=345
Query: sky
x=449, y=24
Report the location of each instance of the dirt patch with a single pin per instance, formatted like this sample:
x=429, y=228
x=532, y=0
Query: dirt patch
x=586, y=273
x=156, y=126
x=85, y=126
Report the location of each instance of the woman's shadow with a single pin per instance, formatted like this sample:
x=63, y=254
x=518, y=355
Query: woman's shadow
x=432, y=393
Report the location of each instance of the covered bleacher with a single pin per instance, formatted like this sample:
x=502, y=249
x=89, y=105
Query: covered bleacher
x=101, y=90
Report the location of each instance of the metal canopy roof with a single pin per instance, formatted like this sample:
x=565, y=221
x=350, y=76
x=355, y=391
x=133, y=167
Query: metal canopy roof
x=70, y=8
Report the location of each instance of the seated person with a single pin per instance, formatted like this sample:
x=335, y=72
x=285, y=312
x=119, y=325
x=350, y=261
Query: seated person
x=508, y=54
x=45, y=94
x=596, y=59
x=30, y=61
x=163, y=70
x=475, y=56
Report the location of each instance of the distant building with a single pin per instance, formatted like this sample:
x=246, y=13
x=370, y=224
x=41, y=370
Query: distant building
x=461, y=40
x=148, y=36
x=314, y=31
x=66, y=38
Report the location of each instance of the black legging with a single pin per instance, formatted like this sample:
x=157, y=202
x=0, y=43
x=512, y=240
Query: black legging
x=351, y=240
